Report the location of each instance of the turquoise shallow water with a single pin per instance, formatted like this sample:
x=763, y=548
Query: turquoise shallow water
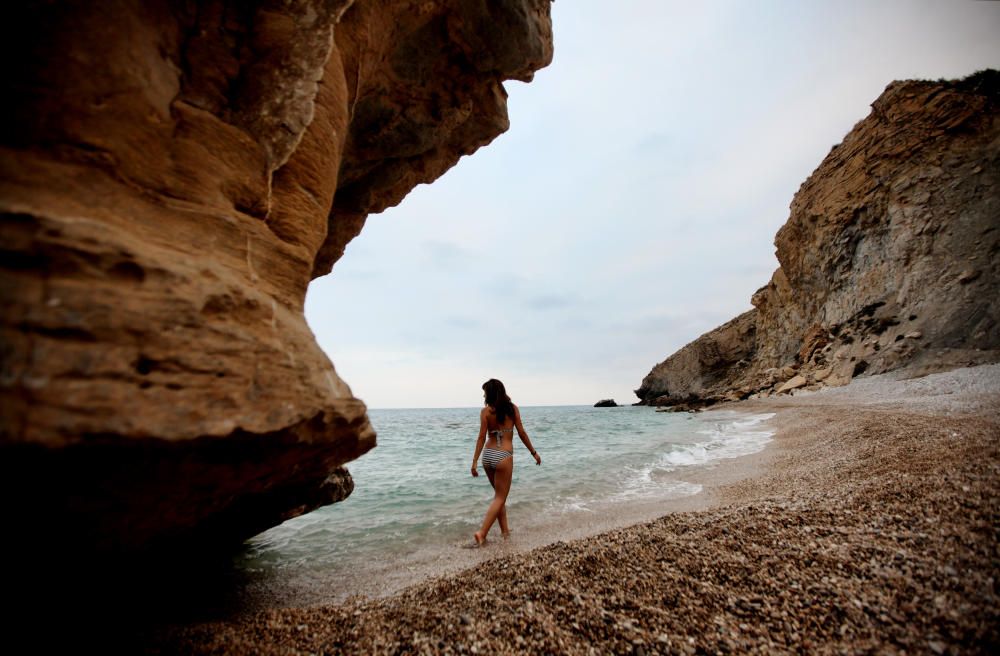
x=414, y=490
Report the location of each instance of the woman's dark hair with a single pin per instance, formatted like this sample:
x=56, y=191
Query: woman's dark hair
x=496, y=398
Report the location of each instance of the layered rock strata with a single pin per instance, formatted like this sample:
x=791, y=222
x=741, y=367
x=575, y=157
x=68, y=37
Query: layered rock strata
x=889, y=259
x=173, y=176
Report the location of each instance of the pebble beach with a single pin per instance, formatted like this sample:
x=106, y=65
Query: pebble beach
x=869, y=525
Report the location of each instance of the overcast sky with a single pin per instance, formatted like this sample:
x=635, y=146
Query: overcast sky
x=633, y=203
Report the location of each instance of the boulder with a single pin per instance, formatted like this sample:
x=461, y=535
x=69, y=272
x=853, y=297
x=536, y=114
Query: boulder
x=837, y=380
x=606, y=403
x=680, y=407
x=968, y=276
x=787, y=371
x=793, y=383
x=821, y=374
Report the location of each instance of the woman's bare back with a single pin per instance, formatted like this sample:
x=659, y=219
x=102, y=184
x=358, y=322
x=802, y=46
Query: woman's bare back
x=502, y=434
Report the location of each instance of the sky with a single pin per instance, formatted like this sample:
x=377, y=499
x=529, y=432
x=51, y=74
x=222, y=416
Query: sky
x=631, y=206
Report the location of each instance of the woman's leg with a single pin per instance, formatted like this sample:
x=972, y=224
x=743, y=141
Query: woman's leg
x=501, y=487
x=502, y=517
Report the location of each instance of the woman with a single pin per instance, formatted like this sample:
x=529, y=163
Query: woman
x=498, y=420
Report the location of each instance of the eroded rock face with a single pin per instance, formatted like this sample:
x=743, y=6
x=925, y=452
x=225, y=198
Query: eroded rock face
x=701, y=366
x=889, y=258
x=424, y=92
x=173, y=176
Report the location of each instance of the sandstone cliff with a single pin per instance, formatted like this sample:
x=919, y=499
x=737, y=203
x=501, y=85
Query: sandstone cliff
x=889, y=258
x=173, y=176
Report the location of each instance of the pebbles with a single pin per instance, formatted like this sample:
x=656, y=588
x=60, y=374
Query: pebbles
x=871, y=530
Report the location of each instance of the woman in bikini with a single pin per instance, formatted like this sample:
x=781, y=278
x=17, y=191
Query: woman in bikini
x=497, y=421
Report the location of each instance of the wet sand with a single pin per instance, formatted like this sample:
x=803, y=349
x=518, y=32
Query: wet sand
x=869, y=524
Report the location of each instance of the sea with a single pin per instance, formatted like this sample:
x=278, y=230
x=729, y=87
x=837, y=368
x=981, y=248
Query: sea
x=415, y=503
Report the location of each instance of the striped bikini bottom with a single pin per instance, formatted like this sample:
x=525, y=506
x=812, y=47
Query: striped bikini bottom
x=493, y=457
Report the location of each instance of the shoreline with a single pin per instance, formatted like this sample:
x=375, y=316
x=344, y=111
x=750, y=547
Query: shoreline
x=820, y=540
x=307, y=586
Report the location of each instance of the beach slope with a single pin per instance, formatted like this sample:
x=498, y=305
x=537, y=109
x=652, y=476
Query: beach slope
x=868, y=525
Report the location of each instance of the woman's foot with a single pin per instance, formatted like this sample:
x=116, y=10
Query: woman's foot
x=480, y=540
x=506, y=534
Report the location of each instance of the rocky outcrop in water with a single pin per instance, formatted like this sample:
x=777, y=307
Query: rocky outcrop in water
x=173, y=176
x=889, y=259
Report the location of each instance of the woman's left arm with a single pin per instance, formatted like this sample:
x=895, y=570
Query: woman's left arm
x=523, y=434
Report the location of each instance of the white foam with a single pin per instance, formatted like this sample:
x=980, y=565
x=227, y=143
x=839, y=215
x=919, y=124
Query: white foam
x=695, y=454
x=644, y=487
x=569, y=505
x=728, y=437
x=576, y=506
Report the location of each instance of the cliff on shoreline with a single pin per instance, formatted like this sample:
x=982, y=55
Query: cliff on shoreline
x=890, y=258
x=173, y=176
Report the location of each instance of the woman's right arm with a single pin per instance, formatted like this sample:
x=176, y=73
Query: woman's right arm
x=480, y=441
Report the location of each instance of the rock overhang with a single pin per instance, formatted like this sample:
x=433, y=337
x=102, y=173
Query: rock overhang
x=173, y=176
